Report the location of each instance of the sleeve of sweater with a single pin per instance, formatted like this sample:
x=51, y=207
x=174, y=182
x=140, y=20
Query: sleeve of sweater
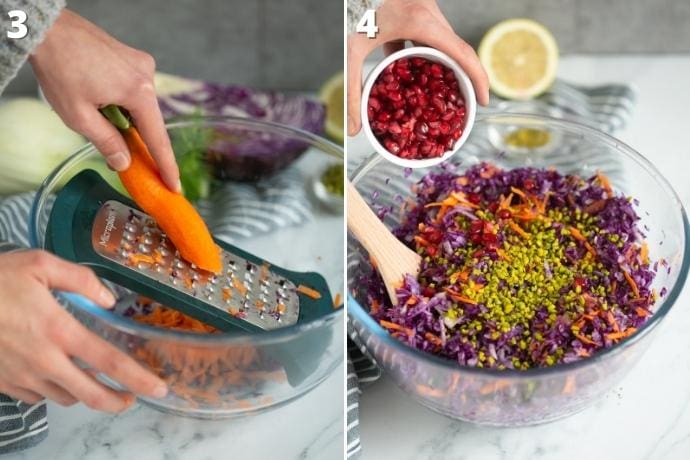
x=40, y=15
x=355, y=10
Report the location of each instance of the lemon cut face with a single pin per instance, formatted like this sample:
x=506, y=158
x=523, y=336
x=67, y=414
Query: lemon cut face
x=332, y=94
x=521, y=57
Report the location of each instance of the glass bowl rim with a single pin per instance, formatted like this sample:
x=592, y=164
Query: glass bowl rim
x=355, y=310
x=129, y=326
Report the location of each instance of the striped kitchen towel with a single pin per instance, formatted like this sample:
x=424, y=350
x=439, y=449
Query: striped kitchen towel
x=607, y=108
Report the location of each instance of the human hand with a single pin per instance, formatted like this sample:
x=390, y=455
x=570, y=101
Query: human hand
x=422, y=22
x=81, y=69
x=40, y=338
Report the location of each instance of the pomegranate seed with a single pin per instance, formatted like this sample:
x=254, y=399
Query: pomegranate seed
x=394, y=128
x=489, y=238
x=504, y=214
x=580, y=282
x=391, y=146
x=439, y=104
x=474, y=198
x=476, y=238
x=431, y=250
x=493, y=207
x=529, y=184
x=383, y=117
x=433, y=235
x=428, y=292
x=477, y=226
x=374, y=104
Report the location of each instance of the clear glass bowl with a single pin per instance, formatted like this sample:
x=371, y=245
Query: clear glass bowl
x=231, y=374
x=509, y=397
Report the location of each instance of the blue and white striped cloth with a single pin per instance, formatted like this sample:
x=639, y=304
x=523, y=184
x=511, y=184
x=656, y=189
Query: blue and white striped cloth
x=607, y=108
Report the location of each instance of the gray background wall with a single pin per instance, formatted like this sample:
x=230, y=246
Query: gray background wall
x=297, y=44
x=277, y=44
x=585, y=26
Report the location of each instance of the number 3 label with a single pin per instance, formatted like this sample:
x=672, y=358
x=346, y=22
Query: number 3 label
x=367, y=25
x=18, y=18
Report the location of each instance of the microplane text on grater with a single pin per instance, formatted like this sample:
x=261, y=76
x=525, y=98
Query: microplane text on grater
x=250, y=292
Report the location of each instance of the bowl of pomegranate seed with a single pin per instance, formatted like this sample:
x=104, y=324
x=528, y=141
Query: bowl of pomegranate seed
x=418, y=107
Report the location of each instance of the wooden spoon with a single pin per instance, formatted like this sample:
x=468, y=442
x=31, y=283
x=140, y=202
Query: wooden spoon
x=393, y=259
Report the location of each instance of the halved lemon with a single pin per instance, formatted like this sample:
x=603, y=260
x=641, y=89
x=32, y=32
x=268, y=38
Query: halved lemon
x=521, y=57
x=332, y=94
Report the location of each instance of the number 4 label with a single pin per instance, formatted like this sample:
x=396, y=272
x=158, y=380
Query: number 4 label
x=18, y=18
x=367, y=25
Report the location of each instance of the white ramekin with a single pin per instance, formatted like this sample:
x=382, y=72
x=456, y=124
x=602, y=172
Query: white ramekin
x=466, y=90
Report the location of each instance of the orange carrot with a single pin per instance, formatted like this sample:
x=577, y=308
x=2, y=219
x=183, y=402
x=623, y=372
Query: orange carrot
x=632, y=283
x=396, y=327
x=644, y=253
x=569, y=386
x=604, y=181
x=433, y=339
x=375, y=306
x=173, y=213
x=585, y=339
x=309, y=292
x=620, y=335
x=517, y=229
x=240, y=287
x=458, y=297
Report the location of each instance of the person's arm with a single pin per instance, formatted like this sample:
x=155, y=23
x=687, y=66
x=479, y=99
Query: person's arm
x=40, y=16
x=80, y=69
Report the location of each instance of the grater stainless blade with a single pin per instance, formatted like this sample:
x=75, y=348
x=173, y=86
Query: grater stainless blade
x=249, y=292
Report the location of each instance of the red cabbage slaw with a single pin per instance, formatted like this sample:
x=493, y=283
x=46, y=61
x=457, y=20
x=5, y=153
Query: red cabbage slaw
x=521, y=268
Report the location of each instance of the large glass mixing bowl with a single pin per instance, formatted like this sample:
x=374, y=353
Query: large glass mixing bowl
x=509, y=397
x=232, y=374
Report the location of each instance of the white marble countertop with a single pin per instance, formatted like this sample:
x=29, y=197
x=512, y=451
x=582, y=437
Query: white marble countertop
x=309, y=428
x=648, y=415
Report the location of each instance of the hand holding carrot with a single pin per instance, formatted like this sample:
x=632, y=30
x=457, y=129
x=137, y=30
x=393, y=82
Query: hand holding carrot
x=419, y=21
x=81, y=69
x=40, y=338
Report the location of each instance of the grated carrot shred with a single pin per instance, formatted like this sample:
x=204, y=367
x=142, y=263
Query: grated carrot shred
x=396, y=327
x=309, y=292
x=459, y=297
x=644, y=253
x=622, y=334
x=632, y=283
x=517, y=229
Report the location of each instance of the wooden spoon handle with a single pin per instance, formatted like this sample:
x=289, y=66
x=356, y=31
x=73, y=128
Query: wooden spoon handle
x=392, y=258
